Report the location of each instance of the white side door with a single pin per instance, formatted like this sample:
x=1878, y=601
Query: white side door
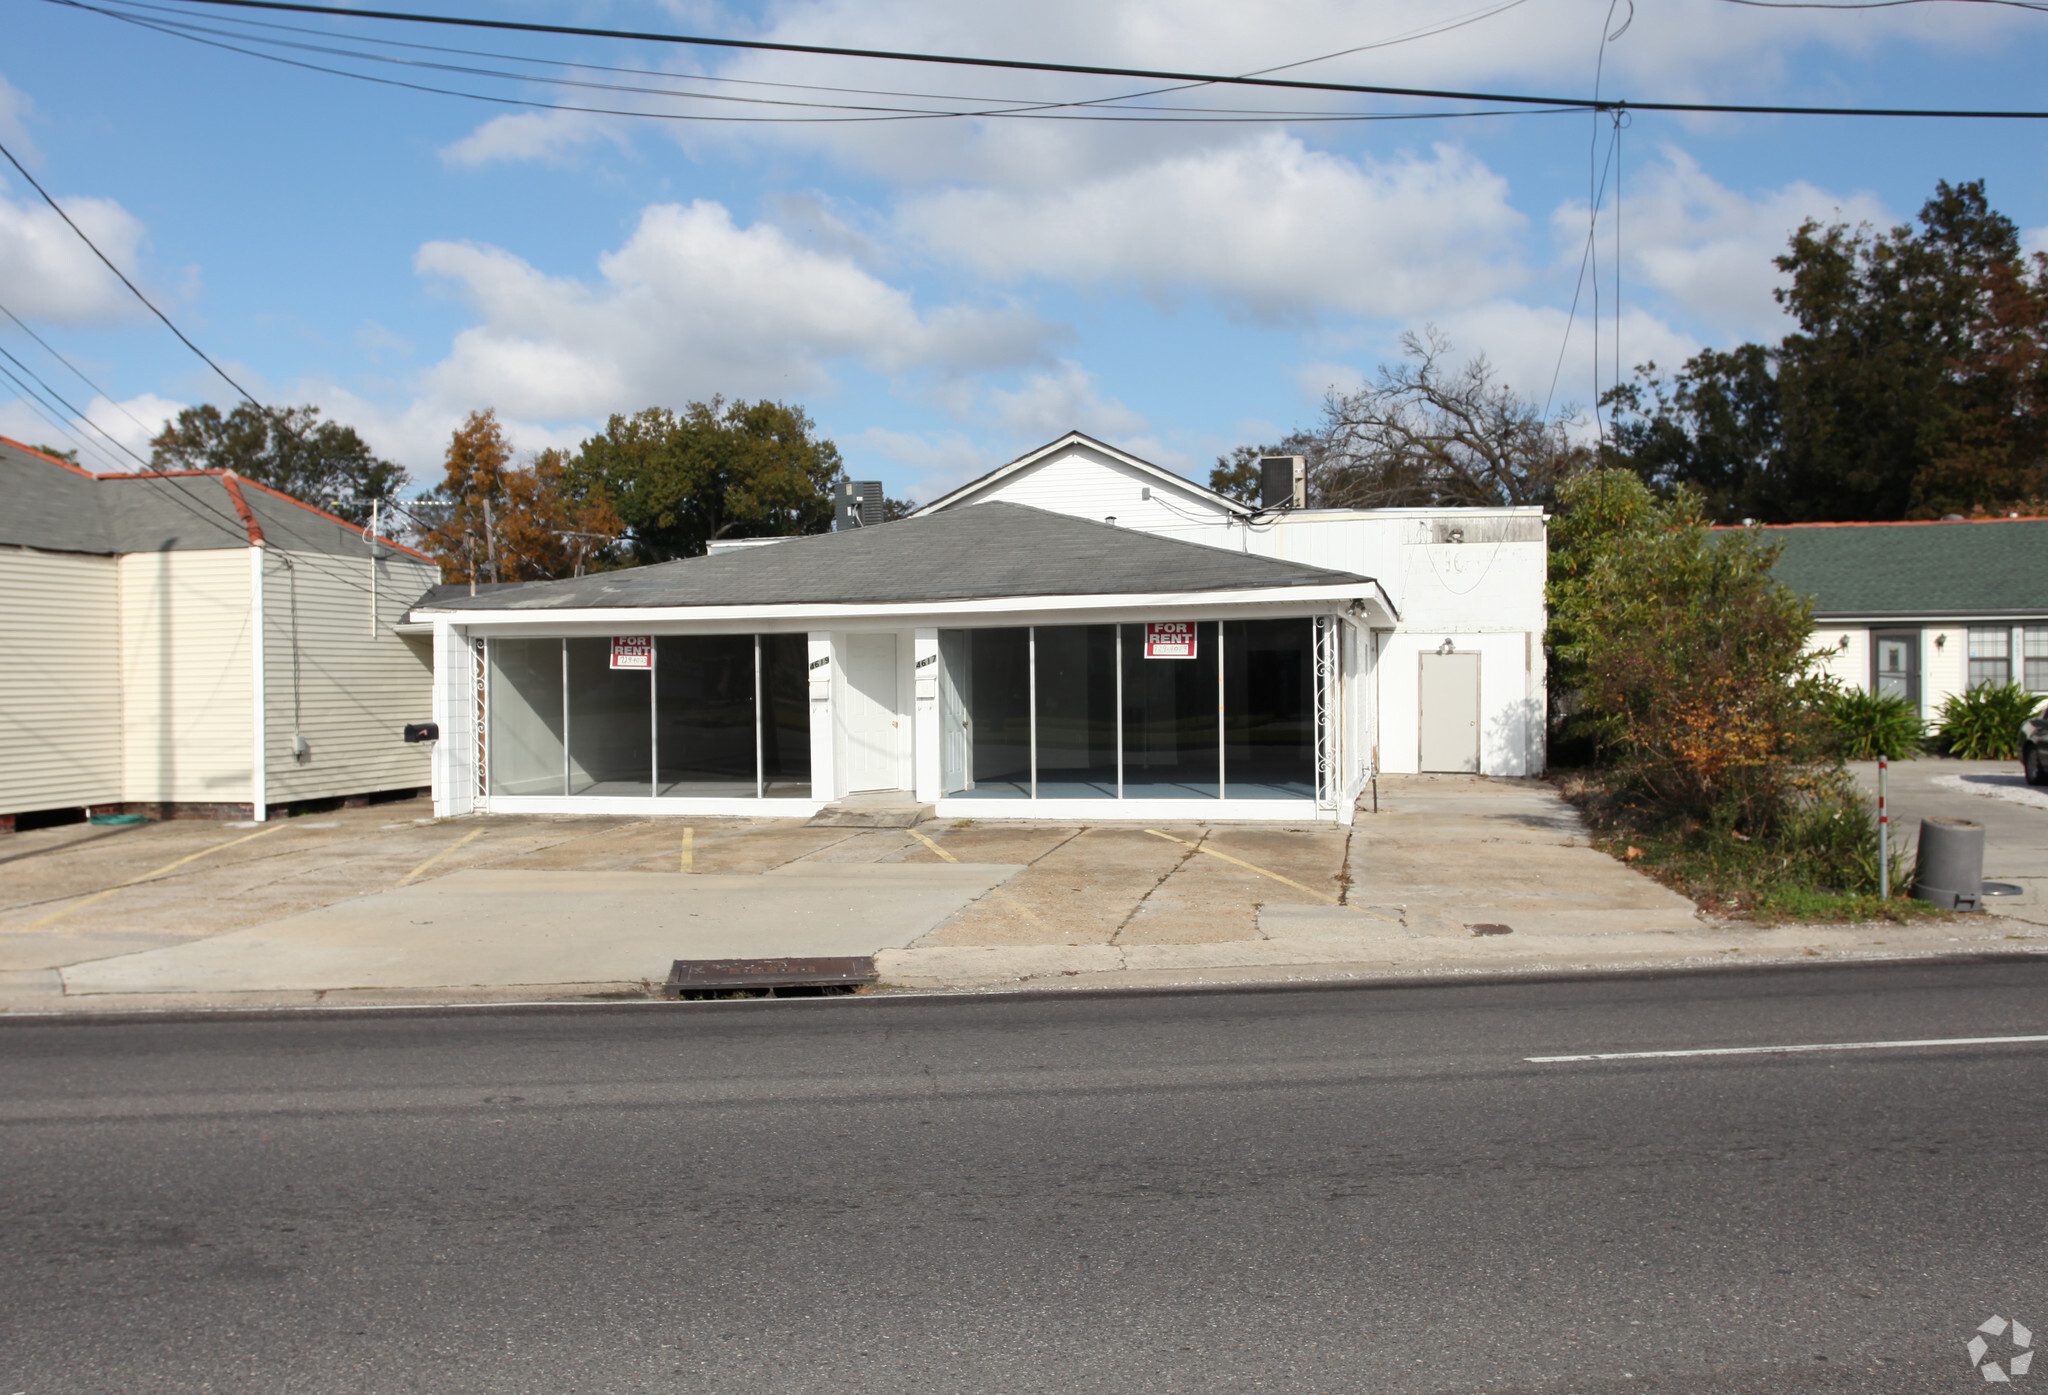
x=874, y=734
x=1450, y=713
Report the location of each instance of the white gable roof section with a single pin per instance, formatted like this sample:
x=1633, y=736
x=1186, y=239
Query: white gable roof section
x=1087, y=478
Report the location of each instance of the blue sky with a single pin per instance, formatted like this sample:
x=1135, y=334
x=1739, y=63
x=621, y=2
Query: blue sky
x=943, y=294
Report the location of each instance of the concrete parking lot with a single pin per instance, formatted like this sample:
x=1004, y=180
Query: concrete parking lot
x=1455, y=874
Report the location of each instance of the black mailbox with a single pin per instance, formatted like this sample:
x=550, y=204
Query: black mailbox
x=422, y=731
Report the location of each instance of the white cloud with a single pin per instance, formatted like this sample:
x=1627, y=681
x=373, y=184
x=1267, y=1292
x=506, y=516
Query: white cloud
x=1049, y=404
x=545, y=136
x=15, y=107
x=50, y=274
x=690, y=306
x=1266, y=224
x=1708, y=248
x=938, y=464
x=133, y=422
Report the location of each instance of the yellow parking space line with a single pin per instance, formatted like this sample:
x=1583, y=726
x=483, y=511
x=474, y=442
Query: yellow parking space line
x=933, y=846
x=689, y=851
x=1254, y=867
x=465, y=838
x=1012, y=902
x=148, y=876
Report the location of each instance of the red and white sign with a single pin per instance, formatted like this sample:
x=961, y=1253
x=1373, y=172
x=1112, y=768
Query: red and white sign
x=1170, y=639
x=632, y=651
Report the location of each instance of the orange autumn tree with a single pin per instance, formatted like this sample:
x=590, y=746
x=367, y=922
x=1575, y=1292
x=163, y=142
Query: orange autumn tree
x=497, y=521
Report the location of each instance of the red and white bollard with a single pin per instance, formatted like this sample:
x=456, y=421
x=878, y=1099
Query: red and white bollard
x=1884, y=839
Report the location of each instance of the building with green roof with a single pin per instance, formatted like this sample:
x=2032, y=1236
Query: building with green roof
x=1925, y=610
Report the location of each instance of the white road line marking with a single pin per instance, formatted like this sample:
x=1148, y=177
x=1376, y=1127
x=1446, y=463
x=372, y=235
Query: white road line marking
x=1788, y=1050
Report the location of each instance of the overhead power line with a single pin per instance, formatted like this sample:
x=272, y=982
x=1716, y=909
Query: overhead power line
x=1119, y=108
x=1101, y=70
x=136, y=290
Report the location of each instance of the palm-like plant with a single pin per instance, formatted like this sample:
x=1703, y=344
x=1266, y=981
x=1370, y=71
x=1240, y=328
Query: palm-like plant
x=1868, y=725
x=1984, y=723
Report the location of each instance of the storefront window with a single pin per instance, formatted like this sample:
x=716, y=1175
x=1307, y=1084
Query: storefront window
x=704, y=715
x=997, y=699
x=1103, y=720
x=524, y=707
x=701, y=716
x=611, y=723
x=786, y=728
x=1172, y=707
x=1077, y=716
x=1269, y=727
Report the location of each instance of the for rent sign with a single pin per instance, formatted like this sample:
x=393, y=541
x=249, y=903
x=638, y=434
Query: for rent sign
x=632, y=651
x=1170, y=639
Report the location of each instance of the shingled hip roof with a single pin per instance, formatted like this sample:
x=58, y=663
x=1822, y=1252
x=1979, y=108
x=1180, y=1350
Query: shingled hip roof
x=981, y=552
x=1904, y=571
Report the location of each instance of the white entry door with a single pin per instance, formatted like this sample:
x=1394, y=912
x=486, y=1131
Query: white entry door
x=874, y=738
x=1450, y=713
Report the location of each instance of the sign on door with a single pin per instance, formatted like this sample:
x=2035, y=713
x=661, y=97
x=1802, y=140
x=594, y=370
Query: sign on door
x=632, y=651
x=1170, y=639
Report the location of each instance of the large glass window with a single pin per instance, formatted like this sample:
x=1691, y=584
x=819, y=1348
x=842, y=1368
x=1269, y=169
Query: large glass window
x=2034, y=642
x=524, y=707
x=704, y=715
x=786, y=727
x=723, y=716
x=1172, y=720
x=1080, y=712
x=1269, y=726
x=611, y=722
x=998, y=703
x=1990, y=656
x=1077, y=711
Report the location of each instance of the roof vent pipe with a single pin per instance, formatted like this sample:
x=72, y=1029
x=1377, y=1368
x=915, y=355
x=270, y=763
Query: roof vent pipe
x=1283, y=482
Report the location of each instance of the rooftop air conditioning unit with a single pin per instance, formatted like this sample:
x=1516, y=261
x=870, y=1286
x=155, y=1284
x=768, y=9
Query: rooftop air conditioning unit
x=1283, y=482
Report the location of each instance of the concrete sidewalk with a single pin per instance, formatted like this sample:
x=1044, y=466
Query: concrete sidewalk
x=1455, y=875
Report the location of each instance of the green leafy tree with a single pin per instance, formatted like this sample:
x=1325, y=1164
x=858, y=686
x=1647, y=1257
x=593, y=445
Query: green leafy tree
x=287, y=448
x=1686, y=663
x=70, y=455
x=1914, y=385
x=676, y=481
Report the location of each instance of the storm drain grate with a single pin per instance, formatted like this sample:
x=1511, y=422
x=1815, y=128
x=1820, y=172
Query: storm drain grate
x=690, y=978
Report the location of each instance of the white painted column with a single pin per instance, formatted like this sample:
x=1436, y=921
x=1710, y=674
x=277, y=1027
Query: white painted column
x=259, y=756
x=824, y=768
x=924, y=684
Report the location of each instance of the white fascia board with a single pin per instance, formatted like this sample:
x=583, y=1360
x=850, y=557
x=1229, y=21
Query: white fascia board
x=1075, y=438
x=1279, y=600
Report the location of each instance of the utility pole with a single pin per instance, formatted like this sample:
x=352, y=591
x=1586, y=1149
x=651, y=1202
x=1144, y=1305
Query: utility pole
x=491, y=540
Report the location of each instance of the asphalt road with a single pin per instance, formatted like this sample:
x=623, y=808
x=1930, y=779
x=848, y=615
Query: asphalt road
x=1315, y=1191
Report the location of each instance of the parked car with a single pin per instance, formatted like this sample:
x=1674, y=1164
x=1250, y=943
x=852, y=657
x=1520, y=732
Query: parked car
x=2034, y=749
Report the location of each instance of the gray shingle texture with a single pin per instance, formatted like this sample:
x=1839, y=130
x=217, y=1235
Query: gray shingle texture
x=974, y=552
x=45, y=505
x=1908, y=570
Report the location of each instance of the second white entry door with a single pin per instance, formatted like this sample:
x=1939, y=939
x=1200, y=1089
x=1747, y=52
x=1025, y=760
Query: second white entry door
x=874, y=736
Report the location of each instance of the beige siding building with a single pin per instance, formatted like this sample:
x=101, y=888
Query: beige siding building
x=195, y=643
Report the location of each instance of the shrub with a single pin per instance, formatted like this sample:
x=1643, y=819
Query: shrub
x=1984, y=723
x=1869, y=725
x=1686, y=662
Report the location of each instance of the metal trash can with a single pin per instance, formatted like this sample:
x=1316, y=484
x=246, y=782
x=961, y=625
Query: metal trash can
x=1951, y=867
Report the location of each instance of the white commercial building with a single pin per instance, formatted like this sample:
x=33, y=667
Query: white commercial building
x=1078, y=635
